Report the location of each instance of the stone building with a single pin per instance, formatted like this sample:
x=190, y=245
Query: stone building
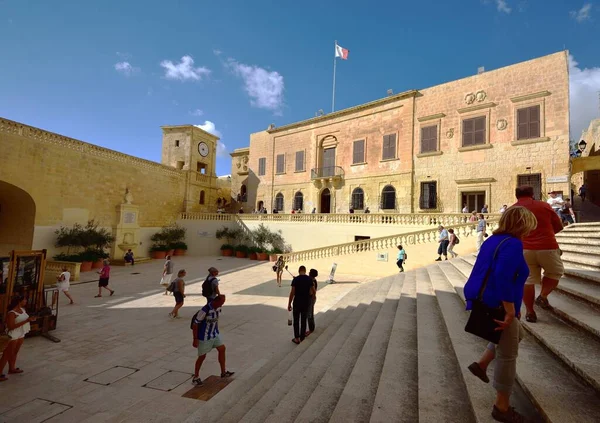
x=48, y=180
x=470, y=141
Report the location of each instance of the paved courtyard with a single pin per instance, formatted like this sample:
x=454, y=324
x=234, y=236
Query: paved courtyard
x=122, y=359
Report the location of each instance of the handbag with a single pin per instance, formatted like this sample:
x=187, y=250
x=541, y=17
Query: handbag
x=481, y=321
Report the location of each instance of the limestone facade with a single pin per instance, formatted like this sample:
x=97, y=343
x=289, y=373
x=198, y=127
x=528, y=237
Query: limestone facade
x=467, y=141
x=48, y=180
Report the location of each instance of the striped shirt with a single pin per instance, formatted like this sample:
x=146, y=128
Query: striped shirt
x=207, y=320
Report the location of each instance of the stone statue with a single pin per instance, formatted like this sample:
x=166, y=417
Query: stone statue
x=128, y=197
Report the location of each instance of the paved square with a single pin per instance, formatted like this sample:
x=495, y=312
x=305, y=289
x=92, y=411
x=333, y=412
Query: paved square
x=128, y=342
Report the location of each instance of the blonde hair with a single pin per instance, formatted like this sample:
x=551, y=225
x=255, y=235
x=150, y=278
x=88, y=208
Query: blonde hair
x=516, y=221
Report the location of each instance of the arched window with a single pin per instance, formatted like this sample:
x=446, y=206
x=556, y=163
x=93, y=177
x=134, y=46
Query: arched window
x=202, y=197
x=298, y=201
x=388, y=198
x=279, y=202
x=244, y=194
x=358, y=199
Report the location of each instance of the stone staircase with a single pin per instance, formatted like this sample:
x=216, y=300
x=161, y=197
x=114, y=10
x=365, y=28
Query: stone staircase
x=580, y=244
x=395, y=350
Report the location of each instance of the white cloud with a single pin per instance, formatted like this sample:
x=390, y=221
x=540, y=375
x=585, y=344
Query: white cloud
x=196, y=112
x=582, y=14
x=126, y=69
x=503, y=6
x=184, y=70
x=264, y=87
x=217, y=52
x=584, y=87
x=210, y=127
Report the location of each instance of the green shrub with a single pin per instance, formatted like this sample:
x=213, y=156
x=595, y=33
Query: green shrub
x=241, y=248
x=226, y=247
x=180, y=245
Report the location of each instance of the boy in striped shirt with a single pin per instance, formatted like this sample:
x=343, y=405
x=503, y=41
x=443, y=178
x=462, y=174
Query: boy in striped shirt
x=205, y=326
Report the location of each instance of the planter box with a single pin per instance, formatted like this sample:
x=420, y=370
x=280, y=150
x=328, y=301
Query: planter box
x=263, y=256
x=98, y=264
x=158, y=254
x=86, y=266
x=179, y=252
x=240, y=254
x=227, y=253
x=253, y=256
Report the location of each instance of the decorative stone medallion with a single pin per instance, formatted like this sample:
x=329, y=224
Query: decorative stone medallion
x=450, y=133
x=480, y=95
x=501, y=124
x=470, y=98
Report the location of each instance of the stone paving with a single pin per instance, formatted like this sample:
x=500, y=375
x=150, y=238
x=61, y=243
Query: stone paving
x=122, y=359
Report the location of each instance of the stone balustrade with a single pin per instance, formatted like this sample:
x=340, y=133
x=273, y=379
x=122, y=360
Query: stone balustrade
x=54, y=268
x=464, y=230
x=407, y=219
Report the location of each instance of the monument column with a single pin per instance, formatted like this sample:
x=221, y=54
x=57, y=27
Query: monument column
x=127, y=231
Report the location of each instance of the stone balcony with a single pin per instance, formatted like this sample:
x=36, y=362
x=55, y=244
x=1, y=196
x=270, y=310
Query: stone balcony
x=325, y=175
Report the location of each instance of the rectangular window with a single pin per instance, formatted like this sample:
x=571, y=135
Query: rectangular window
x=176, y=143
x=299, y=161
x=528, y=123
x=389, y=147
x=358, y=152
x=262, y=166
x=428, y=198
x=280, y=168
x=473, y=131
x=534, y=181
x=429, y=139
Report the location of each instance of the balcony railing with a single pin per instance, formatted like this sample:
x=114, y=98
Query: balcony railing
x=329, y=172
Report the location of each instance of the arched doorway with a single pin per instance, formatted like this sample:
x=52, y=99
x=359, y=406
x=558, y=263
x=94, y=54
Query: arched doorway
x=17, y=219
x=325, y=201
x=243, y=193
x=260, y=205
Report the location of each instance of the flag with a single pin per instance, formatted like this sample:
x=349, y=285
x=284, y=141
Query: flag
x=341, y=52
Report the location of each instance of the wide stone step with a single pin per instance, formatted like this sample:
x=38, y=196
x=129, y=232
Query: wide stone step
x=581, y=228
x=397, y=394
x=468, y=348
x=590, y=275
x=583, y=249
x=325, y=395
x=563, y=241
x=582, y=258
x=356, y=402
x=585, y=225
x=249, y=388
x=442, y=393
x=267, y=394
x=580, y=235
x=289, y=395
x=582, y=289
x=538, y=369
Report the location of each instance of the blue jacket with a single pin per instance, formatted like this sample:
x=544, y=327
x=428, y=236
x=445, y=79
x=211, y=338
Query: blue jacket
x=508, y=275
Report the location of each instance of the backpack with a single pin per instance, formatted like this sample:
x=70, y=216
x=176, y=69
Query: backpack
x=456, y=240
x=171, y=286
x=194, y=318
x=207, y=287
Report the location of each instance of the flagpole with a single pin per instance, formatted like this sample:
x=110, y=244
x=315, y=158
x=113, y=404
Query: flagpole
x=333, y=96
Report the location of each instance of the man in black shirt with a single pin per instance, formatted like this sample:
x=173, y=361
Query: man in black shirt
x=300, y=296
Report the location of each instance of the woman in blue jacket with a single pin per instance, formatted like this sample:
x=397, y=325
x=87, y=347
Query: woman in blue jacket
x=504, y=287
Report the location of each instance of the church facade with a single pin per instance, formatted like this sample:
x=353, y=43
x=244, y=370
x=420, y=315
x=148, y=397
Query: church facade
x=466, y=142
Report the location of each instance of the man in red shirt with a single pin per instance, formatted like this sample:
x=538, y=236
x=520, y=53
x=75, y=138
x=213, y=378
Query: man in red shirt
x=541, y=252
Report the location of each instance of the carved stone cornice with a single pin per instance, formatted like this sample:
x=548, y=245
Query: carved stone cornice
x=530, y=96
x=474, y=181
x=431, y=117
x=477, y=107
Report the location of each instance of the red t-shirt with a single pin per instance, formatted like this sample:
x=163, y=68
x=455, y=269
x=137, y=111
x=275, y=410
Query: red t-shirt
x=542, y=237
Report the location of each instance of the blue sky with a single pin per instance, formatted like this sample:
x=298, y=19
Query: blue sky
x=112, y=72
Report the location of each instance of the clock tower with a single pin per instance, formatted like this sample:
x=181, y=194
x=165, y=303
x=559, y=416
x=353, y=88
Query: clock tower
x=193, y=151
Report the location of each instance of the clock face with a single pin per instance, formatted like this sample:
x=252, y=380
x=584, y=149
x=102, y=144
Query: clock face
x=203, y=149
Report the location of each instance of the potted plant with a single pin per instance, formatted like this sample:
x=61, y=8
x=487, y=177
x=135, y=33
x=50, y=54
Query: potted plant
x=179, y=248
x=227, y=250
x=99, y=256
x=167, y=240
x=241, y=251
x=263, y=254
x=158, y=251
x=253, y=252
x=274, y=253
x=91, y=239
x=87, y=259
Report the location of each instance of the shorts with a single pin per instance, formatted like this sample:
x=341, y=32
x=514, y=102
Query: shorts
x=63, y=286
x=166, y=279
x=178, y=297
x=103, y=282
x=548, y=260
x=205, y=347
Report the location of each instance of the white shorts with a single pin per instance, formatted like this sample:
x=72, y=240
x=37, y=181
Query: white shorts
x=166, y=280
x=63, y=286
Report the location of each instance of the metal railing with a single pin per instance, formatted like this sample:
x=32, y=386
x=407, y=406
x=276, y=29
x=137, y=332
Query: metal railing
x=327, y=172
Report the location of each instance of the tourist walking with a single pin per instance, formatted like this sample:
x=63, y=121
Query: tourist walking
x=312, y=273
x=210, y=286
x=555, y=201
x=63, y=283
x=167, y=274
x=443, y=241
x=400, y=258
x=473, y=217
x=541, y=252
x=17, y=325
x=178, y=288
x=278, y=267
x=583, y=192
x=567, y=215
x=501, y=266
x=300, y=297
x=481, y=232
x=453, y=241
x=205, y=328
x=103, y=281
x=129, y=257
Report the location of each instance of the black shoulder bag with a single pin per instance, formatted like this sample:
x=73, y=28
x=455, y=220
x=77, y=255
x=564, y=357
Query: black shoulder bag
x=481, y=321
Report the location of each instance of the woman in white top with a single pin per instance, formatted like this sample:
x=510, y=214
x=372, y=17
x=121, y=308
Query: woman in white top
x=63, y=283
x=17, y=323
